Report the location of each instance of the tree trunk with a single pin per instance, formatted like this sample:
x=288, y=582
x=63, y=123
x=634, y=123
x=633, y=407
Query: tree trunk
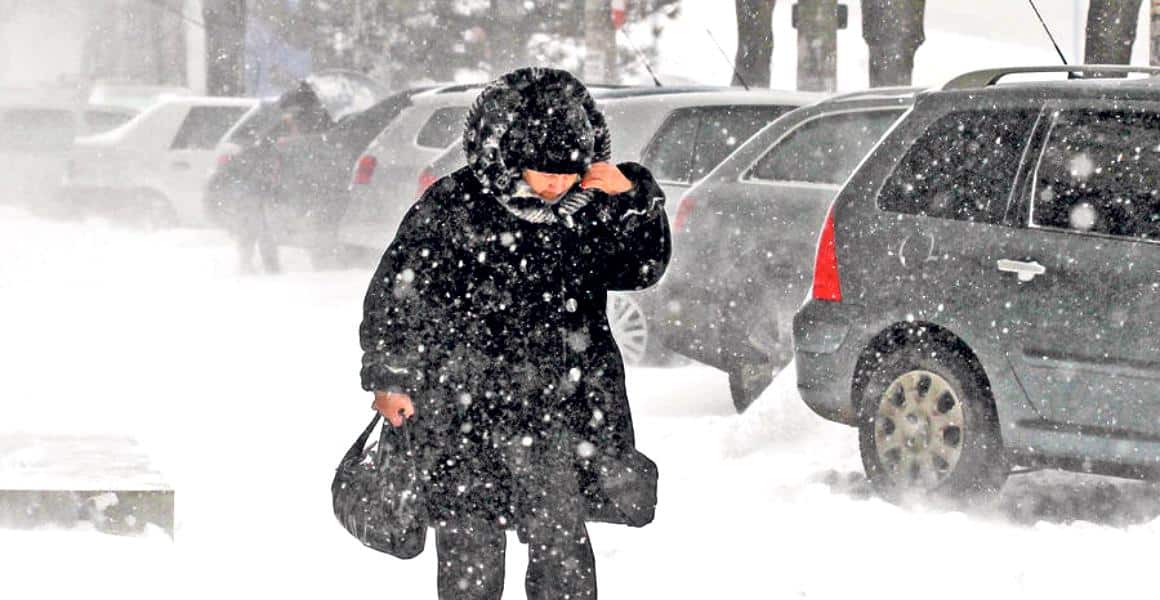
x=893, y=30
x=225, y=24
x=817, y=24
x=1111, y=30
x=507, y=44
x=1154, y=34
x=599, y=42
x=754, y=42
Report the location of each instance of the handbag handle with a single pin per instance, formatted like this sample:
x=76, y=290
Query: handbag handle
x=407, y=446
x=356, y=449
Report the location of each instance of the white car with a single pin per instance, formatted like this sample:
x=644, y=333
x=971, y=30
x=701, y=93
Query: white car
x=132, y=94
x=156, y=165
x=36, y=137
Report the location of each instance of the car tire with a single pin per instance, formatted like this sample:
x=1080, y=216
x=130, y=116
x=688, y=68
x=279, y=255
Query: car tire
x=747, y=382
x=928, y=428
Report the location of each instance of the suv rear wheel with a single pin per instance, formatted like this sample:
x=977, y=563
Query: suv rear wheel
x=928, y=427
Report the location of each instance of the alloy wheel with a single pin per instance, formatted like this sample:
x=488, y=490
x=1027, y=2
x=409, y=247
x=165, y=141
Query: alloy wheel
x=918, y=430
x=629, y=327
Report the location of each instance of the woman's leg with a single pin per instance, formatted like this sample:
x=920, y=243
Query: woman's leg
x=268, y=243
x=560, y=559
x=471, y=560
x=245, y=244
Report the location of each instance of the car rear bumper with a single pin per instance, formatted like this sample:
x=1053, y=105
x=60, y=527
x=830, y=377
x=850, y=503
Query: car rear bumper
x=826, y=349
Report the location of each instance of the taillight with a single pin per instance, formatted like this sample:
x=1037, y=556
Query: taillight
x=827, y=284
x=364, y=170
x=426, y=179
x=224, y=159
x=683, y=211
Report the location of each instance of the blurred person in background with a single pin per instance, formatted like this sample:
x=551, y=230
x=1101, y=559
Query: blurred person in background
x=257, y=174
x=484, y=330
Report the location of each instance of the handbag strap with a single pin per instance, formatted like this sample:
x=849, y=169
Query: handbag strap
x=407, y=447
x=356, y=449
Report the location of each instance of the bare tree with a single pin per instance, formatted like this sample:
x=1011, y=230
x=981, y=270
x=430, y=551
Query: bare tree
x=1154, y=34
x=893, y=30
x=817, y=23
x=754, y=42
x=599, y=42
x=1111, y=31
x=225, y=40
x=507, y=36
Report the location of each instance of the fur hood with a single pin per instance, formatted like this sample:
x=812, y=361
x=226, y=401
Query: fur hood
x=534, y=118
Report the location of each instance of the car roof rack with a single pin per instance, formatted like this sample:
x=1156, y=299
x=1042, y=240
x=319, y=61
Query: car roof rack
x=989, y=77
x=887, y=93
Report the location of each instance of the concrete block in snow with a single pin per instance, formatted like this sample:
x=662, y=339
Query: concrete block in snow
x=63, y=480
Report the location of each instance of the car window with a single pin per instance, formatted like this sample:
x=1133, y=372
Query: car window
x=1098, y=173
x=443, y=128
x=723, y=129
x=204, y=126
x=100, y=121
x=824, y=150
x=36, y=129
x=670, y=153
x=962, y=167
x=359, y=130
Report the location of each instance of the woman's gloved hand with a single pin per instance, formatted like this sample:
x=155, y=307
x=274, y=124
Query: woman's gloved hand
x=395, y=407
x=607, y=178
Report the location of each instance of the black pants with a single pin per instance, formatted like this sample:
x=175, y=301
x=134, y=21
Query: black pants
x=560, y=560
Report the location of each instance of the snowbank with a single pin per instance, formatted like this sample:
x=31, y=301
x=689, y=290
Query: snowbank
x=245, y=392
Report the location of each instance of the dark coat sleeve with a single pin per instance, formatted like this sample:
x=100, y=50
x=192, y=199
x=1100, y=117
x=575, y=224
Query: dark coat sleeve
x=406, y=302
x=629, y=238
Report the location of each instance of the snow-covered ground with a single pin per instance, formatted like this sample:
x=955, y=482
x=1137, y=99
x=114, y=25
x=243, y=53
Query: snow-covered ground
x=245, y=392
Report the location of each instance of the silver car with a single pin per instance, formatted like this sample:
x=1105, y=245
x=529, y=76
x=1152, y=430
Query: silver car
x=384, y=177
x=744, y=237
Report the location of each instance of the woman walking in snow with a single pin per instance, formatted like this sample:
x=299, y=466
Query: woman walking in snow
x=484, y=327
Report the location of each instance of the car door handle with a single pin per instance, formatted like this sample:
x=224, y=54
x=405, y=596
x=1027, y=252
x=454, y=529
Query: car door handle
x=1026, y=271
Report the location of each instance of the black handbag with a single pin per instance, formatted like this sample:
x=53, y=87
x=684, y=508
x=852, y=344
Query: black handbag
x=377, y=493
x=621, y=488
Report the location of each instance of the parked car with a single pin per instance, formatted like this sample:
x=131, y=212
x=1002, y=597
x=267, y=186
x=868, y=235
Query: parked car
x=156, y=165
x=263, y=117
x=34, y=144
x=99, y=118
x=132, y=95
x=680, y=133
x=986, y=287
x=744, y=237
x=384, y=176
x=314, y=172
x=37, y=130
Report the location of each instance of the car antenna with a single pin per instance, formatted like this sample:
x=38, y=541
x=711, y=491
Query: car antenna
x=643, y=58
x=726, y=57
x=1049, y=36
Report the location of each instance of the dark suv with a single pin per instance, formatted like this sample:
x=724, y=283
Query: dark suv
x=986, y=288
